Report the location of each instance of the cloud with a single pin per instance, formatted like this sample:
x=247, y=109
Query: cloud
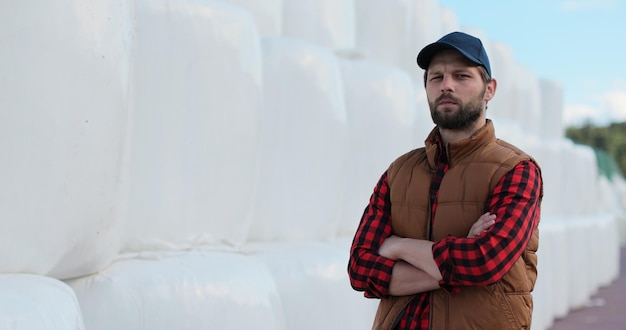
x=615, y=104
x=577, y=5
x=610, y=107
x=579, y=114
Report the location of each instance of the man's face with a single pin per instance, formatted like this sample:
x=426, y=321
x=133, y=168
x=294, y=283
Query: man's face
x=456, y=92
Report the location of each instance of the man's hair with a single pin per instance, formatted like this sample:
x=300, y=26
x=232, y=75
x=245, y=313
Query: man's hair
x=483, y=74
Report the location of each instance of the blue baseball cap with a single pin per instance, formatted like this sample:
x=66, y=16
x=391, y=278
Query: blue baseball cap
x=471, y=47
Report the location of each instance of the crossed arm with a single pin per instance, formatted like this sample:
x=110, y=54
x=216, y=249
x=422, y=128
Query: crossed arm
x=415, y=269
x=382, y=264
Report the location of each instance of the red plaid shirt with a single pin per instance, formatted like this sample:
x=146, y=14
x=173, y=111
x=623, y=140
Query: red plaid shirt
x=459, y=260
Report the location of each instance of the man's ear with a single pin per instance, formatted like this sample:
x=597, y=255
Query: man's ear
x=490, y=89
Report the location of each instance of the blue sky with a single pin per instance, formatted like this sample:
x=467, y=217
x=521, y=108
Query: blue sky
x=579, y=43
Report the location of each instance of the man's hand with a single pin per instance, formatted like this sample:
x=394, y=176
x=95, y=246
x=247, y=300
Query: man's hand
x=416, y=252
x=482, y=224
x=390, y=247
x=406, y=278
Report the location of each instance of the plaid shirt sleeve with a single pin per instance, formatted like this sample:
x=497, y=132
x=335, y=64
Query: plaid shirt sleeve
x=484, y=260
x=368, y=271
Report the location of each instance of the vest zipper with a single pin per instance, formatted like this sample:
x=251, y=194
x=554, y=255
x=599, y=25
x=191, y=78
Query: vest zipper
x=396, y=321
x=429, y=230
x=431, y=201
x=447, y=311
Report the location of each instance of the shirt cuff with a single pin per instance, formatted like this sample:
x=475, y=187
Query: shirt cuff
x=380, y=278
x=442, y=258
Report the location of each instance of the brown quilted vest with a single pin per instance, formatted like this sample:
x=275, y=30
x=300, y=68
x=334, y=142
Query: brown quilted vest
x=476, y=166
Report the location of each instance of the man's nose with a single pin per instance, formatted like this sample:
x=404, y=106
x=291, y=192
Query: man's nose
x=447, y=84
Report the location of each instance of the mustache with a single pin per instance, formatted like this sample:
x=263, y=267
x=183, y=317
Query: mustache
x=447, y=97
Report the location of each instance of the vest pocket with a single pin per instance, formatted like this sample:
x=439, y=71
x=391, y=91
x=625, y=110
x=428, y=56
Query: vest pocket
x=481, y=308
x=516, y=308
x=389, y=309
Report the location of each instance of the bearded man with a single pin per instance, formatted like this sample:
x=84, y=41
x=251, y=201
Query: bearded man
x=449, y=236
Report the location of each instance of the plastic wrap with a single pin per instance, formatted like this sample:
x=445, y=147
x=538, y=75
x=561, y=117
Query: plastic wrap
x=552, y=126
x=380, y=107
x=548, y=154
x=303, y=143
x=64, y=119
x=503, y=69
x=527, y=100
x=426, y=28
x=313, y=285
x=268, y=15
x=383, y=31
x=511, y=132
x=449, y=21
x=197, y=86
x=329, y=23
x=191, y=290
x=587, y=178
x=32, y=302
x=545, y=293
x=422, y=121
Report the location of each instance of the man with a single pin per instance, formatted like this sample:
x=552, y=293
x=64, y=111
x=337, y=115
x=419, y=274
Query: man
x=449, y=237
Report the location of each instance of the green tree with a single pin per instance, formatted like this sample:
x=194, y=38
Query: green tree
x=610, y=139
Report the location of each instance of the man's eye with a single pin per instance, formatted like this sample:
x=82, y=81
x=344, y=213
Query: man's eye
x=435, y=78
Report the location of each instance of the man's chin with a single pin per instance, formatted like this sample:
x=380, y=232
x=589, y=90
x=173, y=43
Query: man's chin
x=447, y=114
x=443, y=109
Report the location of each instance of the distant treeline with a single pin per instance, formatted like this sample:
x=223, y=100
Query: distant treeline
x=610, y=139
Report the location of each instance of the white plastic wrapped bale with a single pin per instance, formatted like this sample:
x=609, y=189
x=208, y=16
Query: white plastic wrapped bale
x=608, y=195
x=586, y=177
x=579, y=179
x=544, y=294
x=426, y=27
x=383, y=31
x=303, y=143
x=193, y=290
x=268, y=15
x=449, y=20
x=599, y=265
x=607, y=251
x=329, y=23
x=620, y=189
x=197, y=86
x=600, y=260
x=547, y=153
x=312, y=281
x=527, y=100
x=580, y=259
x=500, y=107
x=554, y=267
x=503, y=69
x=621, y=223
x=422, y=121
x=380, y=106
x=510, y=131
x=552, y=126
x=33, y=302
x=577, y=255
x=63, y=118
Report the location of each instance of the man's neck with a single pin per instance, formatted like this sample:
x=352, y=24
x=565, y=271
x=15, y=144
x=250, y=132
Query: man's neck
x=452, y=135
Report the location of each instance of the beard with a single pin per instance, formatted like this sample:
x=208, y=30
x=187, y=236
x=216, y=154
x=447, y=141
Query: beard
x=462, y=119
